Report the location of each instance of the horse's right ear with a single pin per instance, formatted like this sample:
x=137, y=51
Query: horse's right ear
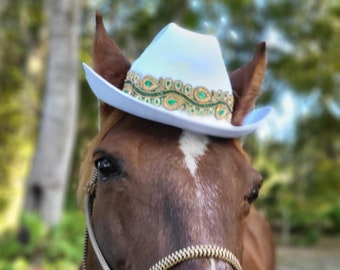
x=246, y=83
x=109, y=62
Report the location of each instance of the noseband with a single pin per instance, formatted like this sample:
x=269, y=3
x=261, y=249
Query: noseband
x=177, y=257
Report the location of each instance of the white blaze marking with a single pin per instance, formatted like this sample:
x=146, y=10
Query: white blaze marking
x=193, y=146
x=213, y=264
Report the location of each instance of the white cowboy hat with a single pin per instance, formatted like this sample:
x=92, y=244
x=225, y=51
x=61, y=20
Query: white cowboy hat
x=180, y=80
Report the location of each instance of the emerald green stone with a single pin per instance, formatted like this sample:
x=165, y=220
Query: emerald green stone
x=148, y=83
x=221, y=112
x=172, y=101
x=202, y=95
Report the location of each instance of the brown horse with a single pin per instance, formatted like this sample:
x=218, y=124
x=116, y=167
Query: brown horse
x=162, y=189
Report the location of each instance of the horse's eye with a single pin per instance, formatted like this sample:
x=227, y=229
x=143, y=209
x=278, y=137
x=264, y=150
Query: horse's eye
x=254, y=193
x=108, y=168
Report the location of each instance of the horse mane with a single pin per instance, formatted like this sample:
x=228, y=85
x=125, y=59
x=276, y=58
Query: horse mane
x=241, y=150
x=86, y=168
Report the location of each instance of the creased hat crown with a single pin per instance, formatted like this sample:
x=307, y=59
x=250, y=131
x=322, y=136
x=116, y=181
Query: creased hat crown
x=184, y=55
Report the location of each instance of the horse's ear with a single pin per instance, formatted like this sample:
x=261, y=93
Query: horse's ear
x=109, y=62
x=246, y=83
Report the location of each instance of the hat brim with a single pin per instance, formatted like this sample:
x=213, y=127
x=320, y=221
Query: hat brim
x=115, y=97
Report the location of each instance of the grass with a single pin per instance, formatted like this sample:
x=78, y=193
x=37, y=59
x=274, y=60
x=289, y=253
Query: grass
x=38, y=247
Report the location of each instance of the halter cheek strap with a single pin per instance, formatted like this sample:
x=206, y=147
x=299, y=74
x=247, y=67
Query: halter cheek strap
x=92, y=238
x=192, y=252
x=89, y=233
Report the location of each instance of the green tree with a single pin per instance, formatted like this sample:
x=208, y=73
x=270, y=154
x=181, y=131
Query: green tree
x=48, y=180
x=21, y=42
x=310, y=67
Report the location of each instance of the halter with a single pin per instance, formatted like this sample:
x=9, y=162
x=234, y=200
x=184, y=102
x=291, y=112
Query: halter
x=168, y=262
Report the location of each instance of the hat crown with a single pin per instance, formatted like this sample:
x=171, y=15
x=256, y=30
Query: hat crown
x=184, y=55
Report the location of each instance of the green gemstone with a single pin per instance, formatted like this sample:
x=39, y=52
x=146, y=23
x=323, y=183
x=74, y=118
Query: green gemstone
x=221, y=112
x=148, y=83
x=172, y=101
x=202, y=95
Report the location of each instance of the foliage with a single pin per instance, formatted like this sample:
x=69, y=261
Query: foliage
x=19, y=98
x=58, y=248
x=301, y=186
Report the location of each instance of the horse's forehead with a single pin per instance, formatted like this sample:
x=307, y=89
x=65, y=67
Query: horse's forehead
x=154, y=138
x=132, y=140
x=134, y=137
x=193, y=147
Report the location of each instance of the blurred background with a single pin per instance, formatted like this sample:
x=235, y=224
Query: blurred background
x=48, y=116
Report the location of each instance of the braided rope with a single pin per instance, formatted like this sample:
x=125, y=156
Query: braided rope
x=198, y=251
x=91, y=191
x=89, y=233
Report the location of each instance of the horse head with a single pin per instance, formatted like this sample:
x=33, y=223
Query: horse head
x=161, y=188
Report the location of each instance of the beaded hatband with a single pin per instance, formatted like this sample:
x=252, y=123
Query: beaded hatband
x=175, y=95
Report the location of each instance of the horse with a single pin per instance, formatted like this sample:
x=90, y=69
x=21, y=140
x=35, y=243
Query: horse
x=163, y=190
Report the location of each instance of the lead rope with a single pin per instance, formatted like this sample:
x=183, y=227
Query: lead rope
x=198, y=251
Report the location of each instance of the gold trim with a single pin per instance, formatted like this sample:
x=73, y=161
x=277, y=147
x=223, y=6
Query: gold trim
x=175, y=95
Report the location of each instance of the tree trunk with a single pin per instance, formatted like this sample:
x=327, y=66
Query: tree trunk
x=50, y=170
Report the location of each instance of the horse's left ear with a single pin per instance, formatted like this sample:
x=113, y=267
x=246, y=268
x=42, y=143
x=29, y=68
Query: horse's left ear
x=109, y=62
x=246, y=83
